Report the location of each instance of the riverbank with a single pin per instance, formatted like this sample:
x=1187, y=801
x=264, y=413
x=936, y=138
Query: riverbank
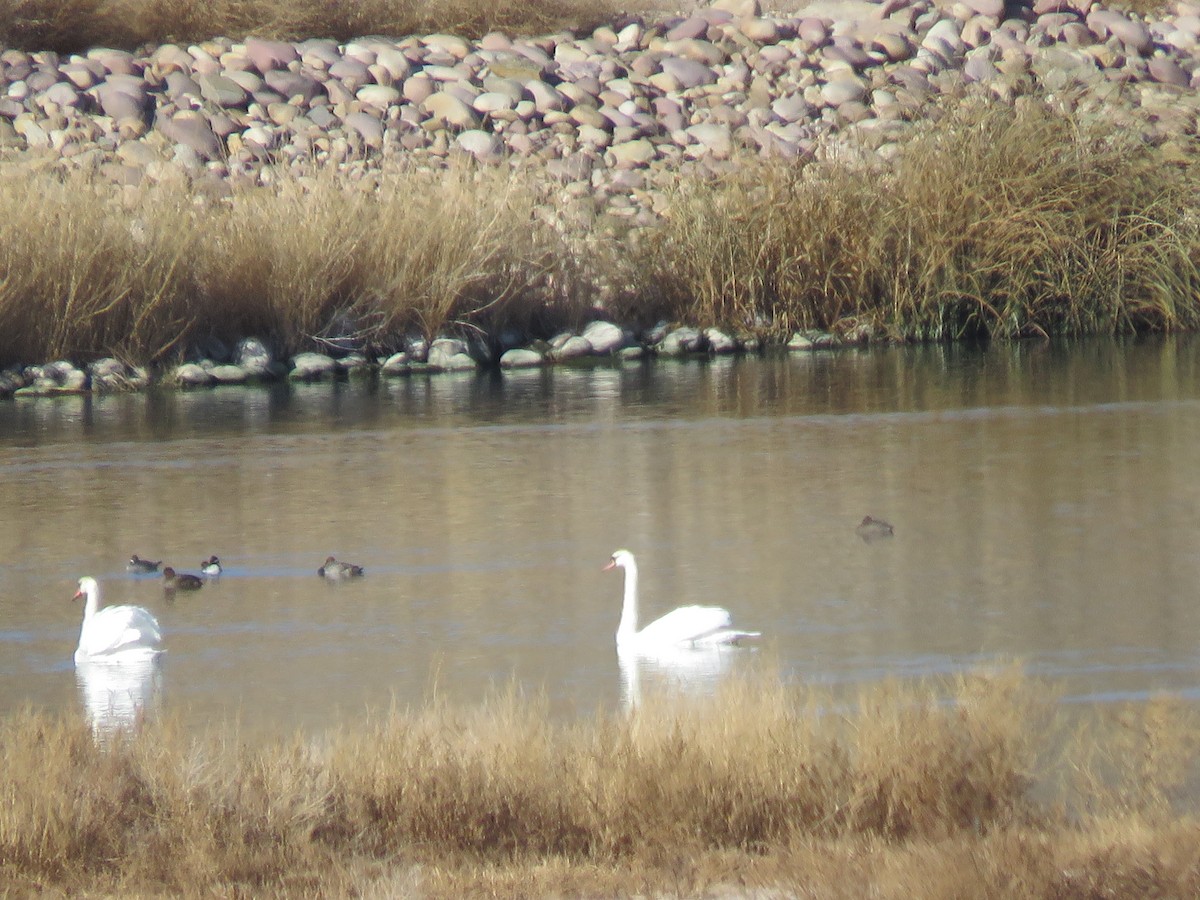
x=939, y=789
x=774, y=178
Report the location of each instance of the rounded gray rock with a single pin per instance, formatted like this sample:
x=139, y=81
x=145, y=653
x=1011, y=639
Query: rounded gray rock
x=521, y=358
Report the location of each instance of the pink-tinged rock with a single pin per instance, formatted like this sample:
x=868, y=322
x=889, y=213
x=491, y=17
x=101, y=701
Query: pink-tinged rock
x=1189, y=24
x=492, y=101
x=979, y=68
x=351, y=72
x=776, y=53
x=632, y=154
x=495, y=40
x=79, y=75
x=946, y=31
x=688, y=72
x=1167, y=71
x=377, y=95
x=394, y=62
x=170, y=57
x=369, y=127
x=293, y=84
x=122, y=101
x=267, y=55
x=889, y=8
x=1076, y=34
x=814, y=31
x=62, y=93
x=1052, y=23
x=665, y=83
x=761, y=31
x=1129, y=32
x=645, y=64
x=545, y=98
x=247, y=81
x=844, y=90
x=849, y=53
x=992, y=8
x=116, y=62
x=1181, y=40
x=895, y=46
x=695, y=27
x=483, y=145
x=41, y=79
x=418, y=89
x=261, y=137
x=449, y=43
x=792, y=109
x=451, y=110
x=180, y=85
x=222, y=91
x=445, y=73
x=704, y=52
x=192, y=130
x=715, y=139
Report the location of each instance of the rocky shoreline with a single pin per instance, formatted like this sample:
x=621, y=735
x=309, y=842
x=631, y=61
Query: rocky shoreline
x=251, y=362
x=605, y=120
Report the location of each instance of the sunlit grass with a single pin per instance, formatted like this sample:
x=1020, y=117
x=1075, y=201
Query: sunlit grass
x=993, y=223
x=75, y=25
x=953, y=787
x=90, y=269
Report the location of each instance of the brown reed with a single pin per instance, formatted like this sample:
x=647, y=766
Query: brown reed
x=969, y=786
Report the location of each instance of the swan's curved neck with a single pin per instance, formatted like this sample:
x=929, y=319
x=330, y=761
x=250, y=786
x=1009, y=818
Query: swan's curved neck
x=91, y=603
x=629, y=610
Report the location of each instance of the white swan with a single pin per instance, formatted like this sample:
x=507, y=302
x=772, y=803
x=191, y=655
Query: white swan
x=115, y=633
x=687, y=626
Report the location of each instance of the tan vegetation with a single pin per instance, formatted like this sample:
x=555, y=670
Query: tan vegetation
x=73, y=25
x=990, y=224
x=949, y=789
x=90, y=269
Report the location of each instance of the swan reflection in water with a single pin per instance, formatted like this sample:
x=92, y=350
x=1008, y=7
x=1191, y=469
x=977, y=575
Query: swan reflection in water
x=687, y=671
x=118, y=695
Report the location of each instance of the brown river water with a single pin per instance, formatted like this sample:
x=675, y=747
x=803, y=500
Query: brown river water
x=1045, y=500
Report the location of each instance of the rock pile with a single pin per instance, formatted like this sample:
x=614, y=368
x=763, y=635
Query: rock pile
x=607, y=112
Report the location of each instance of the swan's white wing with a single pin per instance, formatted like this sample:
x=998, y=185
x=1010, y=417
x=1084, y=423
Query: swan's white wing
x=686, y=625
x=119, y=629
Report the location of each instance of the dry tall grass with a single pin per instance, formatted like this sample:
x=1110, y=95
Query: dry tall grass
x=958, y=788
x=992, y=224
x=69, y=26
x=90, y=270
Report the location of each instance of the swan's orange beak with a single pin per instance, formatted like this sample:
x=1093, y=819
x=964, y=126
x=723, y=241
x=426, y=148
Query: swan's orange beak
x=76, y=595
x=612, y=564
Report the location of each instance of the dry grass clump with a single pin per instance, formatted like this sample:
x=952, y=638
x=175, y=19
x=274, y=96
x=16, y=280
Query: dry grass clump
x=88, y=270
x=993, y=223
x=933, y=787
x=70, y=26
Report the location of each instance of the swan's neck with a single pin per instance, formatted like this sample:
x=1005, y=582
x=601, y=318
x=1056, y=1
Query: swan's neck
x=629, y=610
x=91, y=603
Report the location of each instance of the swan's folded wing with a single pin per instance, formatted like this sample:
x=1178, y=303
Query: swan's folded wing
x=687, y=624
x=120, y=628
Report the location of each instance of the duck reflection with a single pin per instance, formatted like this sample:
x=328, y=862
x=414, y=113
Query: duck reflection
x=693, y=672
x=118, y=695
